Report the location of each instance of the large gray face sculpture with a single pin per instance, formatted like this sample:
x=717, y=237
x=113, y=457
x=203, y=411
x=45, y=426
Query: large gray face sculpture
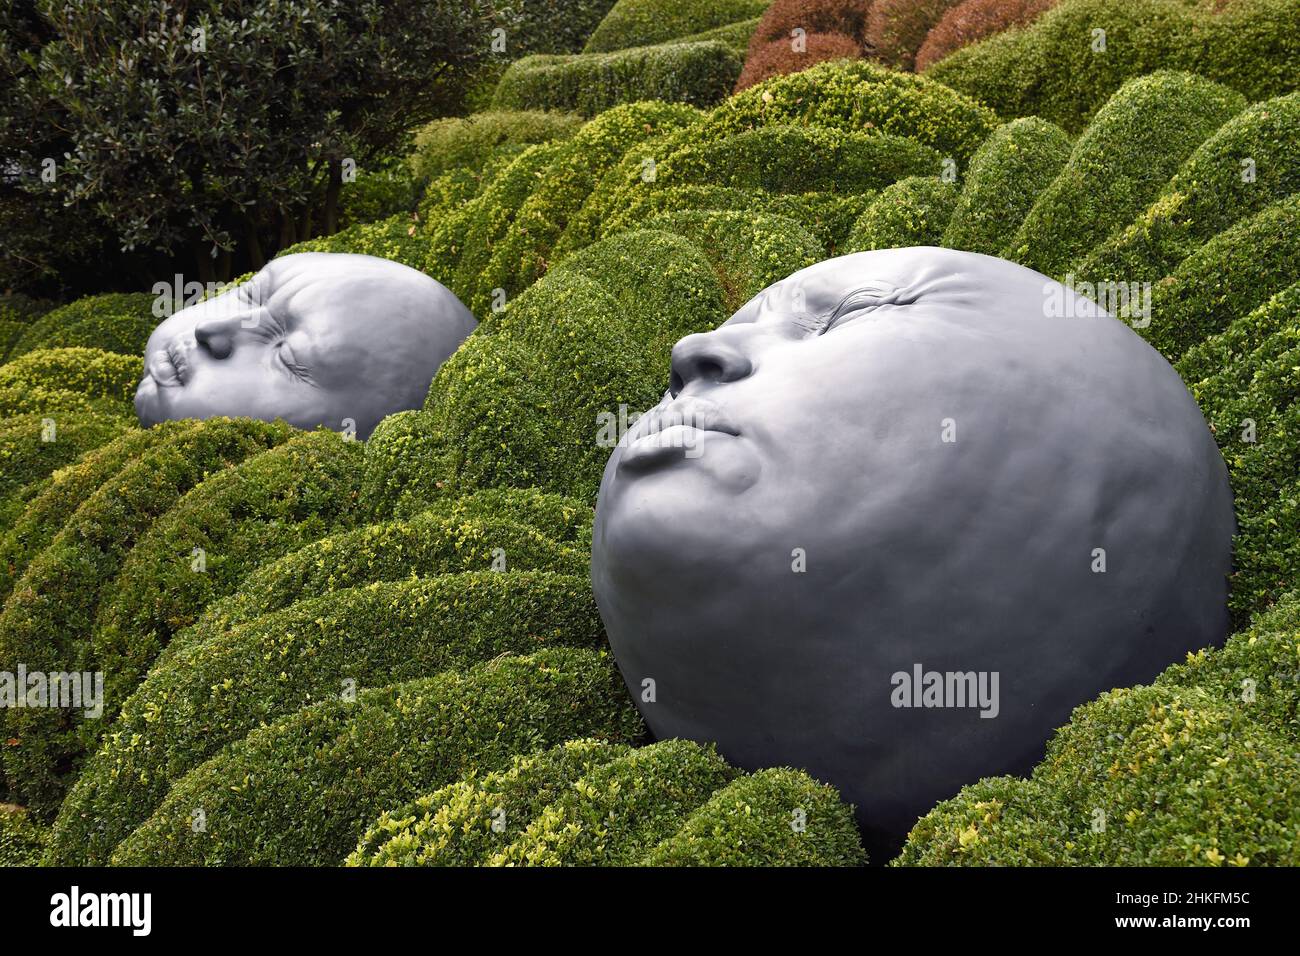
x=897, y=516
x=315, y=339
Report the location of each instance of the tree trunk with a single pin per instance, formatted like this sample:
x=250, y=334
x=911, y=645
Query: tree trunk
x=255, y=257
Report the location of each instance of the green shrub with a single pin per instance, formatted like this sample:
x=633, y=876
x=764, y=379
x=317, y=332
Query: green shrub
x=386, y=188
x=46, y=514
x=239, y=518
x=1228, y=350
x=778, y=817
x=522, y=402
x=997, y=821
x=749, y=251
x=27, y=399
x=1050, y=68
x=32, y=447
x=396, y=238
x=52, y=606
x=453, y=537
x=22, y=840
x=911, y=212
x=699, y=73
x=22, y=309
x=1136, y=143
x=447, y=193
x=302, y=790
x=523, y=254
x=216, y=692
x=126, y=333
x=131, y=305
x=618, y=811
x=454, y=826
x=643, y=22
x=1006, y=175
x=735, y=35
x=10, y=333
x=1211, y=191
x=1228, y=276
x=90, y=372
x=472, y=141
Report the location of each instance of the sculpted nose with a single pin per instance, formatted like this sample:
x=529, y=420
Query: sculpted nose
x=217, y=335
x=707, y=356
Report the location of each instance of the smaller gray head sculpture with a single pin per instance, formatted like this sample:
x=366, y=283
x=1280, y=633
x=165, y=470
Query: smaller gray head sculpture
x=900, y=514
x=314, y=338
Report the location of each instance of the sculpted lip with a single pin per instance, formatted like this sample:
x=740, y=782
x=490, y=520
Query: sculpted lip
x=168, y=366
x=675, y=430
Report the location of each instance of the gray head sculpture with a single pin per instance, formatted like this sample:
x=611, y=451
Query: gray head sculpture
x=900, y=514
x=314, y=338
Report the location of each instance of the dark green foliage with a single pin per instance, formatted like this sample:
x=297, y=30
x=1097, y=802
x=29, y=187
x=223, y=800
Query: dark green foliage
x=239, y=518
x=219, y=690
x=302, y=790
x=471, y=141
x=1135, y=143
x=642, y=22
x=397, y=238
x=34, y=446
x=778, y=817
x=52, y=606
x=1250, y=162
x=126, y=310
x=1006, y=175
x=22, y=839
x=1051, y=68
x=700, y=73
x=911, y=212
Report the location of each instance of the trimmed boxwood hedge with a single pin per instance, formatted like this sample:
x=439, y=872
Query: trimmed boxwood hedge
x=218, y=691
x=911, y=212
x=22, y=839
x=1210, y=192
x=27, y=458
x=518, y=403
x=126, y=333
x=643, y=22
x=699, y=73
x=1006, y=175
x=523, y=254
x=736, y=35
x=94, y=373
x=52, y=606
x=1127, y=153
x=1217, y=731
x=397, y=238
x=111, y=307
x=1049, y=69
x=776, y=817
x=471, y=141
x=453, y=537
x=302, y=790
x=242, y=517
x=1226, y=350
x=1231, y=274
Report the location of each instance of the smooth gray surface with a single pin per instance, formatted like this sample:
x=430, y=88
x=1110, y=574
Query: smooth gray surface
x=977, y=555
x=315, y=338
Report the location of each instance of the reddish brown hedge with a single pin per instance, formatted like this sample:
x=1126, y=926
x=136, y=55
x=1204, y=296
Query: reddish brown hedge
x=777, y=57
x=848, y=17
x=897, y=28
x=973, y=20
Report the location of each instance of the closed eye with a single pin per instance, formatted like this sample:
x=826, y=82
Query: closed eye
x=862, y=300
x=284, y=354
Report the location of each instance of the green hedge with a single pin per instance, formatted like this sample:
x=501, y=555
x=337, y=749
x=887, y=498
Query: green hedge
x=1128, y=152
x=1228, y=276
x=397, y=238
x=1050, y=69
x=302, y=790
x=1210, y=192
x=52, y=606
x=1006, y=176
x=46, y=514
x=777, y=817
x=93, y=373
x=748, y=250
x=220, y=690
x=126, y=333
x=32, y=447
x=472, y=141
x=736, y=35
x=643, y=22
x=518, y=405
x=241, y=518
x=384, y=189
x=1227, y=349
x=22, y=840
x=911, y=212
x=451, y=538
x=700, y=73
x=109, y=308
x=1199, y=769
x=524, y=253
